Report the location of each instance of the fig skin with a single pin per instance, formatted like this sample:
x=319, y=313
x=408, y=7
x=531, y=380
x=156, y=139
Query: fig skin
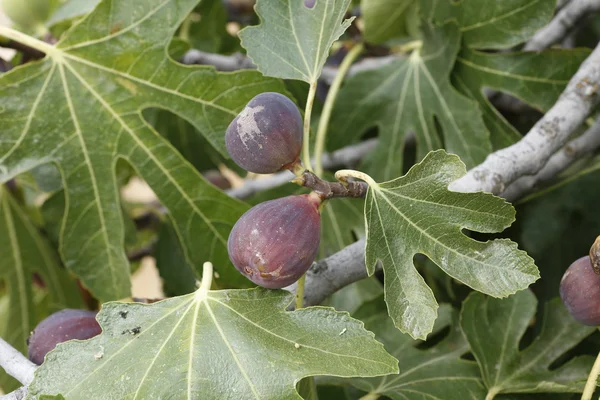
x=274, y=243
x=266, y=136
x=580, y=292
x=59, y=327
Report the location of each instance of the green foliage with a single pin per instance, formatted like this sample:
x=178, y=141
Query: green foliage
x=293, y=41
x=208, y=344
x=411, y=94
x=434, y=372
x=428, y=219
x=23, y=253
x=115, y=89
x=492, y=24
x=535, y=78
x=109, y=102
x=494, y=329
x=386, y=19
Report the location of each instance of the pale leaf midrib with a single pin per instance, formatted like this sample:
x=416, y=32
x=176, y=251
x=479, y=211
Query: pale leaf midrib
x=498, y=17
x=165, y=342
x=436, y=241
x=233, y=355
x=18, y=262
x=288, y=340
x=94, y=183
x=494, y=71
x=141, y=145
x=118, y=33
x=132, y=340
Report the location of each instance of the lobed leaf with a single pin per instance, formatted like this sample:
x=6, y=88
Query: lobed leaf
x=417, y=214
x=81, y=108
x=436, y=372
x=494, y=329
x=492, y=24
x=238, y=344
x=386, y=19
x=23, y=253
x=293, y=41
x=412, y=94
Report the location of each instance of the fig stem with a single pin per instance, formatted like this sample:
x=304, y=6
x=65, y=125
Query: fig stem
x=300, y=292
x=592, y=381
x=327, y=190
x=595, y=255
x=343, y=174
x=307, y=113
x=207, y=275
x=329, y=102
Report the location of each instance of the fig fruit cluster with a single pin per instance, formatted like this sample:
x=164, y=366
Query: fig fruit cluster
x=59, y=327
x=274, y=243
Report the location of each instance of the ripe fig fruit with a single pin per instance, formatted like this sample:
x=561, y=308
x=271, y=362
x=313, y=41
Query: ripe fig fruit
x=580, y=292
x=267, y=135
x=59, y=327
x=274, y=243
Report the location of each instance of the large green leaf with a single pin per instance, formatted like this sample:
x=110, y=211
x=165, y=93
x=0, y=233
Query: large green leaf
x=238, y=344
x=411, y=95
x=493, y=24
x=293, y=41
x=417, y=214
x=535, y=78
x=494, y=329
x=433, y=373
x=386, y=19
x=81, y=107
x=23, y=253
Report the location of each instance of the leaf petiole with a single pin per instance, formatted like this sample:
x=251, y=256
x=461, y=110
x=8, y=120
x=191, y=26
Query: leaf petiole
x=207, y=275
x=328, y=106
x=592, y=381
x=343, y=174
x=306, y=137
x=28, y=41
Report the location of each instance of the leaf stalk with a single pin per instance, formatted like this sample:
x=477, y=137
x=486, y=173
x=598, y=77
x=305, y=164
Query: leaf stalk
x=592, y=381
x=329, y=103
x=307, y=113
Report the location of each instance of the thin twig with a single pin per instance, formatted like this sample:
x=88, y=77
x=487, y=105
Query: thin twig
x=15, y=364
x=549, y=134
x=348, y=156
x=564, y=21
x=576, y=149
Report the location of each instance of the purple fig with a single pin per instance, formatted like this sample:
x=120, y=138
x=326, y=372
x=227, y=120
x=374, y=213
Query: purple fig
x=267, y=135
x=580, y=292
x=59, y=327
x=274, y=243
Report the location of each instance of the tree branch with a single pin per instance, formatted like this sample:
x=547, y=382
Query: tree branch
x=346, y=156
x=239, y=61
x=565, y=157
x=549, y=134
x=333, y=273
x=15, y=364
x=564, y=21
